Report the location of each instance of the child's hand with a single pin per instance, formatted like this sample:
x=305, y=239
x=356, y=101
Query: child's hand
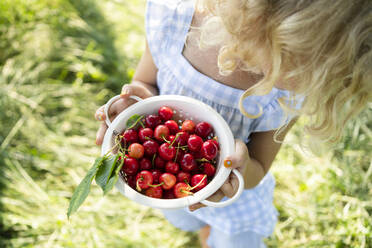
x=237, y=161
x=118, y=106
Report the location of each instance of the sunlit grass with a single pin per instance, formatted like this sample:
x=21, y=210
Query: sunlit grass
x=60, y=59
x=326, y=201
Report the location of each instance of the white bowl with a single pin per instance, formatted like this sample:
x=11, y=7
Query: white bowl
x=189, y=108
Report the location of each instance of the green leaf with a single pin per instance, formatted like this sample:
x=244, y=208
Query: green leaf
x=105, y=171
x=82, y=190
x=114, y=178
x=133, y=121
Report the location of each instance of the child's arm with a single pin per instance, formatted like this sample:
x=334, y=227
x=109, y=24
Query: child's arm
x=253, y=161
x=145, y=75
x=262, y=151
x=143, y=85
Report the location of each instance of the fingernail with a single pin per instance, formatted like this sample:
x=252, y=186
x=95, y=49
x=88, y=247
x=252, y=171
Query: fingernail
x=100, y=117
x=125, y=91
x=227, y=163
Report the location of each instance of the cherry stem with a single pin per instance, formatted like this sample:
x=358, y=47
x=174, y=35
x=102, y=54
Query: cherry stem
x=141, y=123
x=138, y=120
x=165, y=139
x=121, y=148
x=198, y=183
x=177, y=135
x=137, y=184
x=175, y=157
x=123, y=156
x=156, y=185
x=184, y=147
x=153, y=159
x=202, y=160
x=112, y=148
x=186, y=191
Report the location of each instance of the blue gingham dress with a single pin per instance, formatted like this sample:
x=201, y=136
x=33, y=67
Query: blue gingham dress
x=167, y=23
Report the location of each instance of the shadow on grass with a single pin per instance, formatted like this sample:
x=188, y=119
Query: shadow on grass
x=6, y=232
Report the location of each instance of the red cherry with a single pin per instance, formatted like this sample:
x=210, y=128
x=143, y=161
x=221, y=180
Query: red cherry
x=179, y=155
x=151, y=147
x=183, y=177
x=195, y=171
x=172, y=167
x=168, y=180
x=143, y=180
x=197, y=154
x=166, y=151
x=130, y=136
x=159, y=162
x=155, y=192
x=161, y=132
x=165, y=113
x=208, y=169
x=173, y=126
x=136, y=150
x=196, y=179
x=188, y=163
x=182, y=138
x=131, y=181
x=130, y=166
x=209, y=150
x=155, y=175
x=188, y=126
x=194, y=143
x=145, y=134
x=171, y=138
x=145, y=164
x=214, y=140
x=203, y=129
x=168, y=194
x=181, y=190
x=152, y=121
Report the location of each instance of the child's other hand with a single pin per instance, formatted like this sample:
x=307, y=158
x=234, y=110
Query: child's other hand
x=118, y=106
x=237, y=161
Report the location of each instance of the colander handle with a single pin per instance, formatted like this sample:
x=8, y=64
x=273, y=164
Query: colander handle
x=111, y=101
x=232, y=199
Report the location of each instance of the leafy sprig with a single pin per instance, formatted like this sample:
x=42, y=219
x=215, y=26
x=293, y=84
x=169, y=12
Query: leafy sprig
x=105, y=170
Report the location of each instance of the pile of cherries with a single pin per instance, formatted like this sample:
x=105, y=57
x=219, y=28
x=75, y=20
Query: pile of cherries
x=165, y=159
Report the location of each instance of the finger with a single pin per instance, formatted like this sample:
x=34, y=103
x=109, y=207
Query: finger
x=230, y=187
x=118, y=106
x=136, y=90
x=227, y=189
x=101, y=133
x=100, y=115
x=216, y=197
x=239, y=157
x=196, y=206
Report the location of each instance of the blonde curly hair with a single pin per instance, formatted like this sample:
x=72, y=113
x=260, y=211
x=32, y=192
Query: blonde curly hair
x=321, y=49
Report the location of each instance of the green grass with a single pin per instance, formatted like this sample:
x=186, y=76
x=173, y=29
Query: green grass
x=326, y=201
x=59, y=61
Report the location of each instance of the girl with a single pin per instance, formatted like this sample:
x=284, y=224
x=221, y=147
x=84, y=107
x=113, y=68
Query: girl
x=254, y=61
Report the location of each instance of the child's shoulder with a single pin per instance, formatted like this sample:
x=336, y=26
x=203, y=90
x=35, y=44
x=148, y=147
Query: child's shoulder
x=168, y=8
x=166, y=24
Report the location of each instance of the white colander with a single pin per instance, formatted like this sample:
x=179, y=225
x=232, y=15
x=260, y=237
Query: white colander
x=186, y=108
